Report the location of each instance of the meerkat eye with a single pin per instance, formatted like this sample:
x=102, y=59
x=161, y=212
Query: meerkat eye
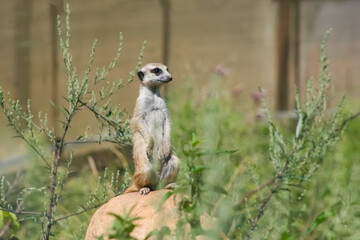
x=157, y=71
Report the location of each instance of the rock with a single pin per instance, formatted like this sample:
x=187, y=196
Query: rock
x=144, y=206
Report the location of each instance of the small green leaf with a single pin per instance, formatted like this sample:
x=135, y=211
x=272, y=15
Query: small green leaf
x=8, y=216
x=63, y=123
x=165, y=197
x=322, y=217
x=15, y=222
x=58, y=108
x=287, y=236
x=199, y=169
x=109, y=113
x=188, y=206
x=66, y=110
x=195, y=143
x=16, y=136
x=159, y=233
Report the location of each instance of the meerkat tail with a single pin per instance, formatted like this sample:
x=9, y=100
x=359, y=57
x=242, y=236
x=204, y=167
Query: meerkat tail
x=132, y=188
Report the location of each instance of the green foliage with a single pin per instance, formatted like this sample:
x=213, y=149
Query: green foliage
x=122, y=226
x=159, y=233
x=84, y=93
x=296, y=158
x=9, y=225
x=319, y=219
x=264, y=189
x=191, y=186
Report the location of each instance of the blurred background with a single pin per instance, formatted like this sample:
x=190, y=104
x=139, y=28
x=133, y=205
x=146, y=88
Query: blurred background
x=273, y=44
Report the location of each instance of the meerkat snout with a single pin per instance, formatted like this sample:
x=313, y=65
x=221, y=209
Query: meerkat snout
x=154, y=74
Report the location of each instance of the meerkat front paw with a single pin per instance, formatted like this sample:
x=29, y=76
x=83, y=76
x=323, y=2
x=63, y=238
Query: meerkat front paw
x=144, y=191
x=171, y=186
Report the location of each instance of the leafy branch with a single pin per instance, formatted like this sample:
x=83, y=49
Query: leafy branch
x=314, y=135
x=82, y=94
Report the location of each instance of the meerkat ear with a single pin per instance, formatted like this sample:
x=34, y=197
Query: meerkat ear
x=141, y=75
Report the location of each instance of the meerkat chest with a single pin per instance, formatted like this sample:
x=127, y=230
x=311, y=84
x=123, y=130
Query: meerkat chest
x=155, y=117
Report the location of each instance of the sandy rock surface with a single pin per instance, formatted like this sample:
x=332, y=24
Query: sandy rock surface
x=144, y=206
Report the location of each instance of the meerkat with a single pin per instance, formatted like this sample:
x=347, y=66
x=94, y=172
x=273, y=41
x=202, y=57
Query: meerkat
x=155, y=161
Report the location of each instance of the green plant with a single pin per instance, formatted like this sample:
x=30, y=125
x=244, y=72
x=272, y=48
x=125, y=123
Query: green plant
x=9, y=225
x=191, y=187
x=122, y=226
x=159, y=233
x=282, y=172
x=296, y=158
x=83, y=93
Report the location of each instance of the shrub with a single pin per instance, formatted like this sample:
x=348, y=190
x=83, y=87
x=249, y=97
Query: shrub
x=83, y=94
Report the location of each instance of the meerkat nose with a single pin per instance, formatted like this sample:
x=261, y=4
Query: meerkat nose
x=170, y=78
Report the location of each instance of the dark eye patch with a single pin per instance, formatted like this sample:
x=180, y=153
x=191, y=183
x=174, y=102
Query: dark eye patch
x=156, y=71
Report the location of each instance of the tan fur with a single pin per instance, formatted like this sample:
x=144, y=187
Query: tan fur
x=154, y=159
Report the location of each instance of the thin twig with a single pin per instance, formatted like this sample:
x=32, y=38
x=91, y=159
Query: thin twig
x=93, y=165
x=78, y=213
x=92, y=109
x=122, y=158
x=261, y=210
x=278, y=180
x=249, y=194
x=52, y=205
x=32, y=146
x=90, y=141
x=23, y=137
x=21, y=212
x=349, y=119
x=98, y=115
x=269, y=182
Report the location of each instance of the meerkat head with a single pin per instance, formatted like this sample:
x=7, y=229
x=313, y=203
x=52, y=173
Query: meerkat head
x=154, y=74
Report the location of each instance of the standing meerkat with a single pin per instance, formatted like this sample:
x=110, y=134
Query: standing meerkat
x=155, y=161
